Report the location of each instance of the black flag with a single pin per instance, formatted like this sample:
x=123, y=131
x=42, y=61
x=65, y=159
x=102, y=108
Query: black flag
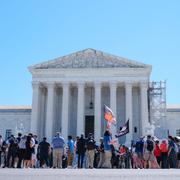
x=124, y=130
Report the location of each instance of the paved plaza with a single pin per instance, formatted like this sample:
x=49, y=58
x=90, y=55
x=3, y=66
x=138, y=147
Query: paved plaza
x=89, y=174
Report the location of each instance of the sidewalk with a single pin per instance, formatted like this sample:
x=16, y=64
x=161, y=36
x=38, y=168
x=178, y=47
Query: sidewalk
x=89, y=174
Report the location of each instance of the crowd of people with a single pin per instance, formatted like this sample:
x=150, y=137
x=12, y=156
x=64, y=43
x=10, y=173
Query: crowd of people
x=25, y=151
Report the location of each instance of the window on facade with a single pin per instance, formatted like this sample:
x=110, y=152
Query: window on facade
x=8, y=133
x=178, y=132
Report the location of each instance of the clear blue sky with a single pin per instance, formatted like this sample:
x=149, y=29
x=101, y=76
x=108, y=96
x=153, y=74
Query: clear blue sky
x=37, y=30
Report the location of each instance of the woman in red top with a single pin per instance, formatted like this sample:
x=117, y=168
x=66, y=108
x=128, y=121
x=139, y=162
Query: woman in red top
x=157, y=152
x=164, y=154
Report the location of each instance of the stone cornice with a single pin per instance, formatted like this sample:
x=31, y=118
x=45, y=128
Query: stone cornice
x=92, y=71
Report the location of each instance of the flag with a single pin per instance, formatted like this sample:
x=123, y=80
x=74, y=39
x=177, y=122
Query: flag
x=124, y=130
x=108, y=125
x=109, y=115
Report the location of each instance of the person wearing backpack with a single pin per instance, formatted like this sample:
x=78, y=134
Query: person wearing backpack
x=148, y=152
x=90, y=150
x=172, y=155
x=139, y=150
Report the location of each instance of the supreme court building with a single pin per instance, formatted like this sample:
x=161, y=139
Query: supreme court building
x=69, y=94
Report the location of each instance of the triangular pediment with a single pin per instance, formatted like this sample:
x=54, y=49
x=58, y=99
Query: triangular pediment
x=89, y=58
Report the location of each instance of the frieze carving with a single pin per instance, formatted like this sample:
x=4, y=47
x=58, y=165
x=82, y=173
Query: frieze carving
x=89, y=58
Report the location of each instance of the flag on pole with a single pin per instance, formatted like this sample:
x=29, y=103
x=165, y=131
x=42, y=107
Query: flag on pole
x=124, y=130
x=108, y=125
x=109, y=115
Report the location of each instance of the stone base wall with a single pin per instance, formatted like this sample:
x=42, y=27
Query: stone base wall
x=89, y=174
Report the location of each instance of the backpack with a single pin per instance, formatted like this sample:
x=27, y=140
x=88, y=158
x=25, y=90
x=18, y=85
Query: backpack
x=150, y=145
x=90, y=144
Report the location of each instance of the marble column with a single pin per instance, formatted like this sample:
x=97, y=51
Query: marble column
x=113, y=88
x=97, y=109
x=65, y=110
x=35, y=107
x=80, y=109
x=50, y=111
x=144, y=108
x=128, y=91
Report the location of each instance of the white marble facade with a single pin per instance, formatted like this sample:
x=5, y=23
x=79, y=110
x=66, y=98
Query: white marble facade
x=63, y=89
x=14, y=119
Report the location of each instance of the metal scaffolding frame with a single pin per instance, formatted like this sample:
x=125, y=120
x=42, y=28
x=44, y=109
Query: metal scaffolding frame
x=157, y=107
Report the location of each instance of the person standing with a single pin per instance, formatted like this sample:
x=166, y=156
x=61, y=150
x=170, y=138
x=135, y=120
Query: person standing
x=75, y=159
x=44, y=151
x=164, y=154
x=101, y=152
x=177, y=143
x=172, y=156
x=58, y=144
x=34, y=153
x=28, y=152
x=107, y=149
x=22, y=149
x=90, y=150
x=10, y=143
x=70, y=153
x=81, y=149
x=1, y=149
x=139, y=147
x=150, y=160
x=157, y=152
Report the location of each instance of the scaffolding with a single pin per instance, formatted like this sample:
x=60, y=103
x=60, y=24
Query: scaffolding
x=157, y=107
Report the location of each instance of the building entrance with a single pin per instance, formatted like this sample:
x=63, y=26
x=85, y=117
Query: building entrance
x=89, y=125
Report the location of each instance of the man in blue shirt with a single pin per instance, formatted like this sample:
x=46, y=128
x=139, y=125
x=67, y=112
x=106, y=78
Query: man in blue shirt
x=70, y=145
x=58, y=145
x=107, y=149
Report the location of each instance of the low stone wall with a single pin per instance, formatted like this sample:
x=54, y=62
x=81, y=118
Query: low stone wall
x=88, y=174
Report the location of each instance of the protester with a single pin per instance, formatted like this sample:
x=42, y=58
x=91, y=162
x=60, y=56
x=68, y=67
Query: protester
x=10, y=151
x=164, y=154
x=84, y=153
x=107, y=149
x=90, y=150
x=44, y=152
x=1, y=149
x=70, y=153
x=58, y=144
x=177, y=142
x=34, y=150
x=157, y=152
x=22, y=151
x=172, y=154
x=28, y=152
x=148, y=152
x=101, y=153
x=81, y=149
x=139, y=148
